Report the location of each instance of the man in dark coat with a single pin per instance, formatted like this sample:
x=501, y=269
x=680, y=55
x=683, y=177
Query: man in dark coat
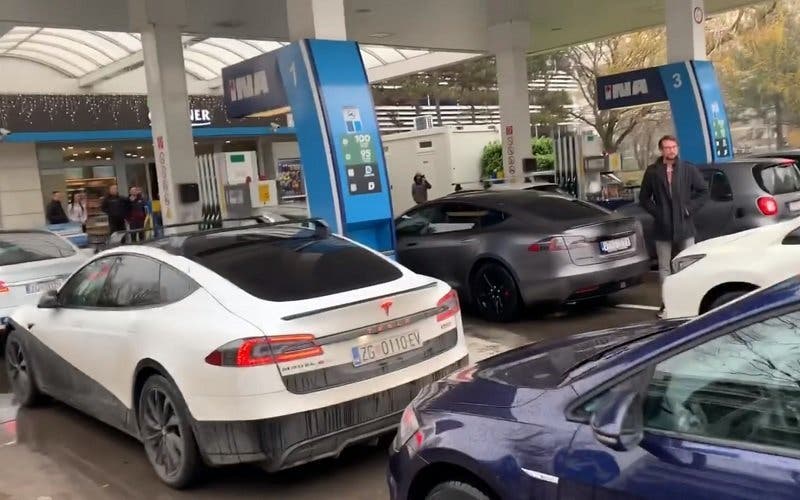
x=116, y=208
x=672, y=192
x=55, y=210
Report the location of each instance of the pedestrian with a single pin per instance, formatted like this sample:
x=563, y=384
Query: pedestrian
x=55, y=210
x=137, y=213
x=672, y=192
x=76, y=210
x=116, y=208
x=419, y=189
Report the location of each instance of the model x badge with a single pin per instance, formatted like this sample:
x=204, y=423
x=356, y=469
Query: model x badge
x=386, y=305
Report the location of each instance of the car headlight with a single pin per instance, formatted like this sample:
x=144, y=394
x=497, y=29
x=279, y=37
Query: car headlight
x=682, y=263
x=408, y=433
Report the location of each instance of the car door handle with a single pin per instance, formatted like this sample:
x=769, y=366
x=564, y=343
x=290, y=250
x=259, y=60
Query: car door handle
x=739, y=213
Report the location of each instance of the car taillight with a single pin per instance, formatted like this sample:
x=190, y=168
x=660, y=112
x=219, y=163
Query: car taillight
x=448, y=306
x=409, y=428
x=767, y=205
x=257, y=351
x=557, y=243
x=3, y=287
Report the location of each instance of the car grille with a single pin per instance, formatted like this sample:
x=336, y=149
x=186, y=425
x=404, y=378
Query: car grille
x=326, y=378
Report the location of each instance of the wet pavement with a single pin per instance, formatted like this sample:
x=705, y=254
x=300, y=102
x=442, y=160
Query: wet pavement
x=54, y=452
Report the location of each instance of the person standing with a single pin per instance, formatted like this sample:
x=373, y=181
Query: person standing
x=137, y=213
x=419, y=189
x=76, y=210
x=672, y=192
x=116, y=208
x=55, y=213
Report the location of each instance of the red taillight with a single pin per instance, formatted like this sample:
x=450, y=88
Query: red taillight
x=767, y=205
x=257, y=351
x=557, y=243
x=3, y=287
x=448, y=306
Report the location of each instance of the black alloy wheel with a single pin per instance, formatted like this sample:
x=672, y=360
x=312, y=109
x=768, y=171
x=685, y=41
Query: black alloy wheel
x=166, y=433
x=19, y=372
x=495, y=293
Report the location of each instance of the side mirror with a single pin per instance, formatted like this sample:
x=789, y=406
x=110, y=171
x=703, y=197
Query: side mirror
x=619, y=422
x=49, y=300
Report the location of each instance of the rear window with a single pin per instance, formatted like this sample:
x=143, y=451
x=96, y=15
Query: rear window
x=557, y=208
x=19, y=248
x=288, y=265
x=783, y=178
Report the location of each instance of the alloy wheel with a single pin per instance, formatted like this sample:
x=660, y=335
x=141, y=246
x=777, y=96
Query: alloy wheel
x=495, y=291
x=17, y=366
x=162, y=435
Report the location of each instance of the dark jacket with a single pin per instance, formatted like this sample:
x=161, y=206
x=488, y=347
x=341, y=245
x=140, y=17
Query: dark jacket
x=673, y=210
x=55, y=213
x=138, y=212
x=419, y=191
x=116, y=207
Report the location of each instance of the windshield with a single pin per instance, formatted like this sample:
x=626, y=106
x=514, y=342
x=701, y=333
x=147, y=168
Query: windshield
x=778, y=179
x=22, y=247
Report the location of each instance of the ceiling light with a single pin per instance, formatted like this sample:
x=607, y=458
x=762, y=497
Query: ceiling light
x=74, y=154
x=69, y=147
x=99, y=157
x=227, y=142
x=72, y=159
x=101, y=149
x=380, y=35
x=87, y=152
x=142, y=156
x=138, y=147
x=108, y=159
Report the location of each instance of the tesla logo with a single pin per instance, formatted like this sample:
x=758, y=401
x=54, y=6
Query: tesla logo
x=386, y=305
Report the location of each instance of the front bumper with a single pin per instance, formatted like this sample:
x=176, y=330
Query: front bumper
x=292, y=440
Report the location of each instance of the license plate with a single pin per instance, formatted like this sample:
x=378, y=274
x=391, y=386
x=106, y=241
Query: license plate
x=43, y=286
x=381, y=349
x=794, y=206
x=615, y=245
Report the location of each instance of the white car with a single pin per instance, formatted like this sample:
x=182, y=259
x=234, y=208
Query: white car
x=720, y=270
x=272, y=343
x=32, y=262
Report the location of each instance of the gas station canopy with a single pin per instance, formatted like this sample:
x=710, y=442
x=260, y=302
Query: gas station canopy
x=396, y=37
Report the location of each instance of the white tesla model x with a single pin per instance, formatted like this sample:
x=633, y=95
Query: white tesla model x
x=272, y=343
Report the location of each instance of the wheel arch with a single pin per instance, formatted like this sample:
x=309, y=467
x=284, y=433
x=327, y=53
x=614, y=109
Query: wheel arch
x=439, y=472
x=145, y=369
x=723, y=288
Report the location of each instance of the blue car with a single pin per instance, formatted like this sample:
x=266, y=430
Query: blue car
x=705, y=409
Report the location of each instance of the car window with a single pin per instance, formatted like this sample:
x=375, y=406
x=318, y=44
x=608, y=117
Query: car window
x=783, y=178
x=719, y=185
x=83, y=289
x=418, y=221
x=742, y=387
x=174, y=285
x=21, y=247
x=133, y=282
x=455, y=217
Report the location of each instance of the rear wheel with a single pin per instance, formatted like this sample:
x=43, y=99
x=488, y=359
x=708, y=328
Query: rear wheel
x=167, y=433
x=20, y=373
x=725, y=298
x=456, y=490
x=495, y=293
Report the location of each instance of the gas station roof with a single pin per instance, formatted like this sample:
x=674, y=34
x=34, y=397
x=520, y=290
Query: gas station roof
x=397, y=37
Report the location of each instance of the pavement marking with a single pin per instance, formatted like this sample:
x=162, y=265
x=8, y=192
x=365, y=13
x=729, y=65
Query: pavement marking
x=637, y=306
x=481, y=349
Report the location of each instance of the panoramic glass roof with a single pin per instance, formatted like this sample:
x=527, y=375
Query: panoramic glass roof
x=77, y=53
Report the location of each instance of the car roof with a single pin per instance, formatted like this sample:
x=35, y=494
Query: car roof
x=497, y=197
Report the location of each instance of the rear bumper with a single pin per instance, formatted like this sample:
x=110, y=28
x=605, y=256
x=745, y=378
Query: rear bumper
x=586, y=282
x=293, y=440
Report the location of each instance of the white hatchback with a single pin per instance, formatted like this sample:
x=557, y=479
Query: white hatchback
x=271, y=343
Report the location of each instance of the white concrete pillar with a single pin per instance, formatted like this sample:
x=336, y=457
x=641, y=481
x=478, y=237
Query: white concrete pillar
x=322, y=19
x=509, y=41
x=686, y=37
x=159, y=22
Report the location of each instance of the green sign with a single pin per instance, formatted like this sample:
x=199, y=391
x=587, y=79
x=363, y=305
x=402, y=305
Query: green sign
x=358, y=149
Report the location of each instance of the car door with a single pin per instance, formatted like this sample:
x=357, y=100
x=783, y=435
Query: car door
x=721, y=419
x=716, y=218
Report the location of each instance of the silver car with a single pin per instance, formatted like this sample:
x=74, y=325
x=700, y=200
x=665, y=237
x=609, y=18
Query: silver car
x=32, y=262
x=507, y=249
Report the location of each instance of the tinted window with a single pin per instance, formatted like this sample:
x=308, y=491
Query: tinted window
x=778, y=179
x=289, y=265
x=744, y=386
x=174, y=285
x=418, y=221
x=85, y=287
x=719, y=185
x=16, y=248
x=557, y=208
x=133, y=282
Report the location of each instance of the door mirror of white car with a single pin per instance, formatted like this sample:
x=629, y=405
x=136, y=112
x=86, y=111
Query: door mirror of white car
x=619, y=421
x=49, y=300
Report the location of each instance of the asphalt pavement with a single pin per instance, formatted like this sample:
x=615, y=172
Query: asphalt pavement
x=54, y=452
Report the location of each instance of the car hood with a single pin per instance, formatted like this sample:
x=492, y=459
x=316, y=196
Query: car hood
x=518, y=376
x=761, y=236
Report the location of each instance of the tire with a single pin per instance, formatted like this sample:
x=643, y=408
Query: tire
x=456, y=490
x=167, y=435
x=20, y=372
x=725, y=298
x=495, y=294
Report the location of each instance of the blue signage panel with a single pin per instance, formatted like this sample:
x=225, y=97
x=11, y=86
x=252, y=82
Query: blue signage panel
x=633, y=88
x=716, y=118
x=688, y=114
x=355, y=140
x=254, y=86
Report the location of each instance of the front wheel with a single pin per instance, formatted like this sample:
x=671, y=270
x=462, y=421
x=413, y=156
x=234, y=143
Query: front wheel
x=167, y=433
x=456, y=490
x=725, y=298
x=495, y=293
x=20, y=372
